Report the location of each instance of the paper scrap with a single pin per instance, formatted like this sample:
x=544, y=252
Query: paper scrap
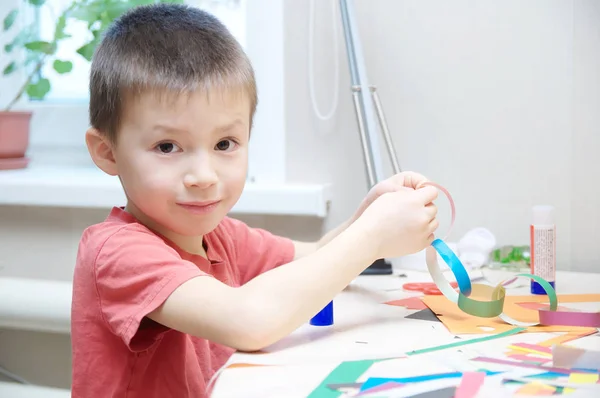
x=337, y=386
x=509, y=332
x=345, y=372
x=536, y=388
x=532, y=349
x=377, y=381
x=424, y=315
x=469, y=384
x=575, y=358
x=411, y=303
x=521, y=364
x=459, y=322
x=446, y=392
x=380, y=388
x=581, y=378
x=565, y=338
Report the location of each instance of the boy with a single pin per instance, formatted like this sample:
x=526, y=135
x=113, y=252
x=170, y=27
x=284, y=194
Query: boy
x=166, y=288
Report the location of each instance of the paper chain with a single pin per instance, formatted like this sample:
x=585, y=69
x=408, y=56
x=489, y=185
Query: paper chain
x=495, y=305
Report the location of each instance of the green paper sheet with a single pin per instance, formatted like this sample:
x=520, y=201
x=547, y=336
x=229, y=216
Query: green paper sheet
x=344, y=373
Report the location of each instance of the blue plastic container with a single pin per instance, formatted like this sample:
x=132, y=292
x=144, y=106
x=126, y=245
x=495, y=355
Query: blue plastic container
x=324, y=317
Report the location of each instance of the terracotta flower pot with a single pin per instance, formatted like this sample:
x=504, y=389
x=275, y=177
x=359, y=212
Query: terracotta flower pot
x=14, y=139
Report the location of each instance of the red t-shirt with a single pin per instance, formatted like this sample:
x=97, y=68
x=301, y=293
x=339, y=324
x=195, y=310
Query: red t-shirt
x=123, y=272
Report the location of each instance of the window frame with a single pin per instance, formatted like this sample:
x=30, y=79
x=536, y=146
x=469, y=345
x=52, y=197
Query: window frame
x=57, y=128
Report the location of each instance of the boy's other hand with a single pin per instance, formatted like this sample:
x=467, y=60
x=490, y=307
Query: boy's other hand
x=400, y=221
x=406, y=179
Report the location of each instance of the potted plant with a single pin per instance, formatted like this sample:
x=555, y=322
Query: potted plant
x=28, y=54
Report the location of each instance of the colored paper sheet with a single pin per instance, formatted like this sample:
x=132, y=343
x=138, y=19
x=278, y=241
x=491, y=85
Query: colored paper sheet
x=469, y=385
x=581, y=378
x=377, y=381
x=531, y=349
x=390, y=385
x=423, y=315
x=570, y=318
x=345, y=372
x=575, y=358
x=536, y=388
x=509, y=332
x=565, y=338
x=534, y=348
x=522, y=364
x=446, y=392
x=459, y=322
x=411, y=303
x=336, y=386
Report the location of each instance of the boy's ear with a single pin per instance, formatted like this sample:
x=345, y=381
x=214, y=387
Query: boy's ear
x=101, y=151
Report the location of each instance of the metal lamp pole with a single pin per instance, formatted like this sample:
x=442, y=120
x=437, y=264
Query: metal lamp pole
x=367, y=107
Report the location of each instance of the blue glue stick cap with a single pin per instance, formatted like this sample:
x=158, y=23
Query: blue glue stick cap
x=324, y=317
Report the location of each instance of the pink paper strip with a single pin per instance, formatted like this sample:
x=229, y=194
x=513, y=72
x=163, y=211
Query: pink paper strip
x=469, y=384
x=569, y=318
x=522, y=365
x=534, y=347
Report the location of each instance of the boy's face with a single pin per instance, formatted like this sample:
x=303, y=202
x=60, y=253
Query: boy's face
x=183, y=163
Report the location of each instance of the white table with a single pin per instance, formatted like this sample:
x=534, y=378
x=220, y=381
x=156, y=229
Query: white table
x=364, y=328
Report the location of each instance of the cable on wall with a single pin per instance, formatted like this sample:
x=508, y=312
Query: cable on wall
x=311, y=72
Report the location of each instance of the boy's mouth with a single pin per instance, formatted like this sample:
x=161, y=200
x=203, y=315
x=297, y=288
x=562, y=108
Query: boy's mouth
x=200, y=207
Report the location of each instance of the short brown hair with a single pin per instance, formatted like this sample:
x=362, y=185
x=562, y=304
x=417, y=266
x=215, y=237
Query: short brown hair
x=164, y=48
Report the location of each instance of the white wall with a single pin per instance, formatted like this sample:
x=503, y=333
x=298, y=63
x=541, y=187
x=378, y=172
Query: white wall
x=497, y=101
x=511, y=88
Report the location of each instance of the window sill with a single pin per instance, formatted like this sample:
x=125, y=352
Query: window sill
x=88, y=187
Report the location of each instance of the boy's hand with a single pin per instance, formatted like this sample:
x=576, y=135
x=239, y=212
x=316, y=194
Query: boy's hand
x=399, y=222
x=407, y=179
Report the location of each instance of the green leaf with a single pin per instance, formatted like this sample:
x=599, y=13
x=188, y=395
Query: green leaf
x=10, y=68
x=38, y=90
x=87, y=50
x=41, y=46
x=10, y=19
x=36, y=2
x=62, y=66
x=59, y=32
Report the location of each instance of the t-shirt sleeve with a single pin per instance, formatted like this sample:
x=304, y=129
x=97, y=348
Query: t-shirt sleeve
x=136, y=271
x=257, y=250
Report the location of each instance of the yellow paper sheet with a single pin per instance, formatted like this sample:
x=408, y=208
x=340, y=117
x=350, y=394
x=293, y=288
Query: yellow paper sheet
x=459, y=322
x=536, y=388
x=581, y=378
x=556, y=340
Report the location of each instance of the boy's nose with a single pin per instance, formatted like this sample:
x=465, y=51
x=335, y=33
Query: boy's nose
x=200, y=174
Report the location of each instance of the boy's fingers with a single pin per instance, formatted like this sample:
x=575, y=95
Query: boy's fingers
x=427, y=194
x=432, y=210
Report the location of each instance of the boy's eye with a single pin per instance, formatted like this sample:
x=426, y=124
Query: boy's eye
x=167, y=147
x=225, y=145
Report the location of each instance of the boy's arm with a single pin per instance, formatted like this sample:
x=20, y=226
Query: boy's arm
x=302, y=249
x=271, y=305
x=278, y=301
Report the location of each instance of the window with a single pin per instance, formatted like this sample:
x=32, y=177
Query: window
x=72, y=87
x=60, y=120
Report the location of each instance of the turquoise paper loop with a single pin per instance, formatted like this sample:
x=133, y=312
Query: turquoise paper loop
x=457, y=268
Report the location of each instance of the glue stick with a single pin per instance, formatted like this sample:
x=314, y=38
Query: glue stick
x=543, y=247
x=324, y=317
